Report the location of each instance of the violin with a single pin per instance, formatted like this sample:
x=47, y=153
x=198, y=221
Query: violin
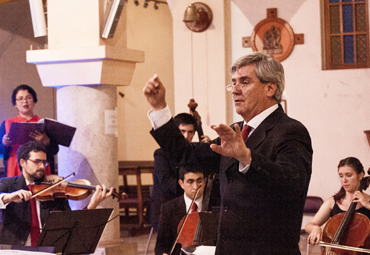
x=349, y=229
x=192, y=106
x=55, y=186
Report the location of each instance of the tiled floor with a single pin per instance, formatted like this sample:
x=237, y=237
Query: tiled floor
x=142, y=240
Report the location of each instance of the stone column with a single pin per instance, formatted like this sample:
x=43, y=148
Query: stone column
x=85, y=69
x=92, y=154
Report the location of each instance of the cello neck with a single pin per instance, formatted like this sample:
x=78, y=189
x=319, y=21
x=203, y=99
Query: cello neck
x=199, y=234
x=342, y=229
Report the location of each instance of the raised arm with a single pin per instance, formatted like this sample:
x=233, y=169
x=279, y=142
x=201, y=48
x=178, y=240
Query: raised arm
x=155, y=92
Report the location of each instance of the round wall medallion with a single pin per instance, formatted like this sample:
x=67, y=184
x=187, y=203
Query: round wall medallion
x=273, y=36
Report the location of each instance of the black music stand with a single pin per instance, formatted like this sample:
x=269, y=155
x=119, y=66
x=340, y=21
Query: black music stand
x=74, y=232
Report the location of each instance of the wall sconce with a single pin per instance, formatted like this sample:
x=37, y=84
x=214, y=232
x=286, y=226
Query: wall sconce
x=198, y=17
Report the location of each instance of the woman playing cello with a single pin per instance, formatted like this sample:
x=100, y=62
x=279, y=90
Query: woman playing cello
x=351, y=172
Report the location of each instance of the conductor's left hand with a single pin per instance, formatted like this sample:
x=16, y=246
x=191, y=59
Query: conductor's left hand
x=232, y=144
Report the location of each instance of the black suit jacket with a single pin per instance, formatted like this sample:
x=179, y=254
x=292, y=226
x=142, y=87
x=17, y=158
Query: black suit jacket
x=262, y=209
x=171, y=213
x=16, y=217
x=165, y=186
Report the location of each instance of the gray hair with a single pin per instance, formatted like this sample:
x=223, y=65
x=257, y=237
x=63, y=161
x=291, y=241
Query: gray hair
x=268, y=70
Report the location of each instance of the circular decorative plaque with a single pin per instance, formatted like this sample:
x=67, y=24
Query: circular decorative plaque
x=273, y=36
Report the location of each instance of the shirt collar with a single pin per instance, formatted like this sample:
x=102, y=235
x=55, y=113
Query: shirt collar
x=198, y=202
x=257, y=120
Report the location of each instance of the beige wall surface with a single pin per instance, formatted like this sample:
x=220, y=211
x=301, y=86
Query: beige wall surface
x=148, y=30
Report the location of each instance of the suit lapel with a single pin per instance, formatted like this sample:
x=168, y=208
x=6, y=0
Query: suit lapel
x=20, y=183
x=260, y=133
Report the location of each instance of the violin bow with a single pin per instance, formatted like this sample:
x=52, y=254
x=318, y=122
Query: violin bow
x=186, y=217
x=343, y=247
x=53, y=185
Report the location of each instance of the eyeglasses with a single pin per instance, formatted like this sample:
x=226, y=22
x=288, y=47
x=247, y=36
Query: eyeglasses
x=38, y=162
x=27, y=98
x=230, y=87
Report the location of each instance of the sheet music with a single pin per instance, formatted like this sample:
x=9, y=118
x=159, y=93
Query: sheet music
x=202, y=250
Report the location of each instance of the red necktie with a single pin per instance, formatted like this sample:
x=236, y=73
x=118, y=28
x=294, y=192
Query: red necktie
x=245, y=131
x=35, y=227
x=194, y=208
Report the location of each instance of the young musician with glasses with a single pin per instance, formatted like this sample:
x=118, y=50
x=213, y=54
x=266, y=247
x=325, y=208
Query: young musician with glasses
x=24, y=99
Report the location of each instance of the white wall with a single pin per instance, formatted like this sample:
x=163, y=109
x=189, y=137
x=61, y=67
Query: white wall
x=333, y=105
x=200, y=60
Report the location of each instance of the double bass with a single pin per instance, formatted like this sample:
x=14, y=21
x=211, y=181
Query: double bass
x=192, y=108
x=346, y=232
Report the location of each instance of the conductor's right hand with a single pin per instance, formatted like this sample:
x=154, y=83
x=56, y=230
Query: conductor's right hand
x=155, y=92
x=17, y=196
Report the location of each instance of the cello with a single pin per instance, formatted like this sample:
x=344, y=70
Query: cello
x=190, y=229
x=344, y=233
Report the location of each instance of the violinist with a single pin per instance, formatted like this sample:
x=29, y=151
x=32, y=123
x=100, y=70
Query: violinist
x=19, y=227
x=191, y=178
x=350, y=171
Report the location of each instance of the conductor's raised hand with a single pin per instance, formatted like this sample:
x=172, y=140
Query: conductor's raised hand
x=232, y=144
x=155, y=92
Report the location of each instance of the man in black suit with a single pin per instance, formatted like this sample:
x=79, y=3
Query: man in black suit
x=15, y=197
x=264, y=178
x=190, y=179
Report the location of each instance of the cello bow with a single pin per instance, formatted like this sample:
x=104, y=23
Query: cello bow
x=343, y=247
x=175, y=246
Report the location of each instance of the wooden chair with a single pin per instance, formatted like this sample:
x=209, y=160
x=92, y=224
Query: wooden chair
x=138, y=195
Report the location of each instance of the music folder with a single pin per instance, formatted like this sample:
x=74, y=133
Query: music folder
x=74, y=232
x=61, y=133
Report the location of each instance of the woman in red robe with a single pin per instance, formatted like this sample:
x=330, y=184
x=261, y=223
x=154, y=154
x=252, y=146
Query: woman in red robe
x=24, y=99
